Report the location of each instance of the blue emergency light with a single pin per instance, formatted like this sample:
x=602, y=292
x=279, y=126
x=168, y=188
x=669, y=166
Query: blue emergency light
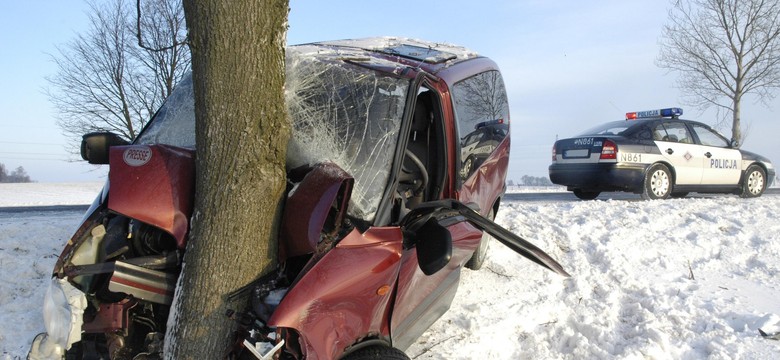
x=668, y=112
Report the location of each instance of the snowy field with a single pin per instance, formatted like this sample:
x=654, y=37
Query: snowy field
x=676, y=279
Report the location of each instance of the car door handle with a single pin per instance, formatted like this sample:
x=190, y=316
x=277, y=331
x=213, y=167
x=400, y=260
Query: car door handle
x=669, y=151
x=708, y=155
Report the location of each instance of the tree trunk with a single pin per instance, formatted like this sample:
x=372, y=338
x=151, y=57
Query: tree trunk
x=242, y=132
x=736, y=127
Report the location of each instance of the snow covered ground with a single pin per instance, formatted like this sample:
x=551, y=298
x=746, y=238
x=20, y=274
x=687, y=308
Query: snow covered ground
x=689, y=278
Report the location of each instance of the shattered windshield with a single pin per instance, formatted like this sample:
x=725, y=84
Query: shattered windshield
x=346, y=114
x=174, y=122
x=340, y=112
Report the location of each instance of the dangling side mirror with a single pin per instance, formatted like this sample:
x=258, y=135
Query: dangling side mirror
x=94, y=146
x=424, y=222
x=434, y=246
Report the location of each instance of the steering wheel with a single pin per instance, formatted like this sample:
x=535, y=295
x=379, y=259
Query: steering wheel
x=417, y=178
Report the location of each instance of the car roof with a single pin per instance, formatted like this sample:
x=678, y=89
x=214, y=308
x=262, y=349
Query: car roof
x=426, y=55
x=650, y=120
x=633, y=124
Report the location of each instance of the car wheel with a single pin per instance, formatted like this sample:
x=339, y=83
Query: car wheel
x=479, y=255
x=467, y=166
x=754, y=183
x=679, y=195
x=658, y=183
x=586, y=195
x=377, y=352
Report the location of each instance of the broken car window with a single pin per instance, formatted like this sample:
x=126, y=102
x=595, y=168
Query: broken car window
x=340, y=112
x=347, y=114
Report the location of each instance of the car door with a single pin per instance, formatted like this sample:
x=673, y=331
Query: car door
x=422, y=298
x=676, y=144
x=721, y=165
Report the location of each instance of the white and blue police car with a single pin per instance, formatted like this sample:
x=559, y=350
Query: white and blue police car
x=658, y=155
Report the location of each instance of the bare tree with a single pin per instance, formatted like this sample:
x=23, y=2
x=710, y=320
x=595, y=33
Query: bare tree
x=723, y=50
x=241, y=142
x=484, y=95
x=105, y=81
x=161, y=49
x=17, y=176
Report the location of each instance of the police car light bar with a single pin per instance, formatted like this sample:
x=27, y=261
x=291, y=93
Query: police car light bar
x=491, y=122
x=668, y=112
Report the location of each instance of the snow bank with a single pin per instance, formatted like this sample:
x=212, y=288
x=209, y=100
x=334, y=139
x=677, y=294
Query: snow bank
x=39, y=194
x=675, y=279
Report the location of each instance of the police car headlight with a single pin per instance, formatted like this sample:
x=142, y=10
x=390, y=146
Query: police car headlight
x=63, y=308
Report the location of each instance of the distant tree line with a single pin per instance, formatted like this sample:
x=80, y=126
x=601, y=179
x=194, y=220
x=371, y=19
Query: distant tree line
x=16, y=176
x=527, y=180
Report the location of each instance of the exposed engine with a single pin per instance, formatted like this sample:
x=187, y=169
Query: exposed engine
x=128, y=271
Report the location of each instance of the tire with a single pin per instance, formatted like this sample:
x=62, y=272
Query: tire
x=479, y=255
x=754, y=182
x=468, y=167
x=679, y=195
x=658, y=183
x=377, y=352
x=586, y=195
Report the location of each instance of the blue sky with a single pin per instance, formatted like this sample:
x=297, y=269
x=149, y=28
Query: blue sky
x=567, y=65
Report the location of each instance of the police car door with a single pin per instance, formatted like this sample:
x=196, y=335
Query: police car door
x=721, y=164
x=675, y=142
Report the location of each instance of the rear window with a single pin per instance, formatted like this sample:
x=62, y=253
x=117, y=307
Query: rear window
x=611, y=128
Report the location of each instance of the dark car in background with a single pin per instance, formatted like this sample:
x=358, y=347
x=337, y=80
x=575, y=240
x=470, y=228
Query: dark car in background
x=379, y=220
x=658, y=155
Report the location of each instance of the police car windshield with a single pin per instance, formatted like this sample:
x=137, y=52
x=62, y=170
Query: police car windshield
x=611, y=128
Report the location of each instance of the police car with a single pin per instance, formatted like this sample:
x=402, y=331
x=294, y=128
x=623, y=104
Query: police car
x=658, y=155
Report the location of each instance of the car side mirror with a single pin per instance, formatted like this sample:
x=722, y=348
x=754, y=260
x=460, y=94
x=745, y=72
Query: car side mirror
x=734, y=144
x=434, y=246
x=424, y=222
x=94, y=146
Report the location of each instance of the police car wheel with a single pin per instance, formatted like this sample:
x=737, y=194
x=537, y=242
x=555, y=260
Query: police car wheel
x=586, y=195
x=467, y=165
x=658, y=183
x=754, y=183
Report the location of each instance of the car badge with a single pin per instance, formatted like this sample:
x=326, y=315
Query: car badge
x=688, y=156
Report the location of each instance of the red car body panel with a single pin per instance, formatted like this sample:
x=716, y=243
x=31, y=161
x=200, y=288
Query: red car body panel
x=307, y=208
x=481, y=187
x=486, y=185
x=420, y=298
x=153, y=184
x=344, y=296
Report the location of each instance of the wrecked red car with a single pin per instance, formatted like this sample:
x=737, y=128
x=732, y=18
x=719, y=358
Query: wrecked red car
x=383, y=210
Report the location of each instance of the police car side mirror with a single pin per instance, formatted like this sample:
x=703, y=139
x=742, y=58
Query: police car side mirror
x=734, y=143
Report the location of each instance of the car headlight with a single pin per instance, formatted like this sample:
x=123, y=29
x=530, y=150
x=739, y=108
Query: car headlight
x=63, y=311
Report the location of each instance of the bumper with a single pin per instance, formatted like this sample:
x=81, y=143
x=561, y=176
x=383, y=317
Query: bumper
x=63, y=309
x=599, y=177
